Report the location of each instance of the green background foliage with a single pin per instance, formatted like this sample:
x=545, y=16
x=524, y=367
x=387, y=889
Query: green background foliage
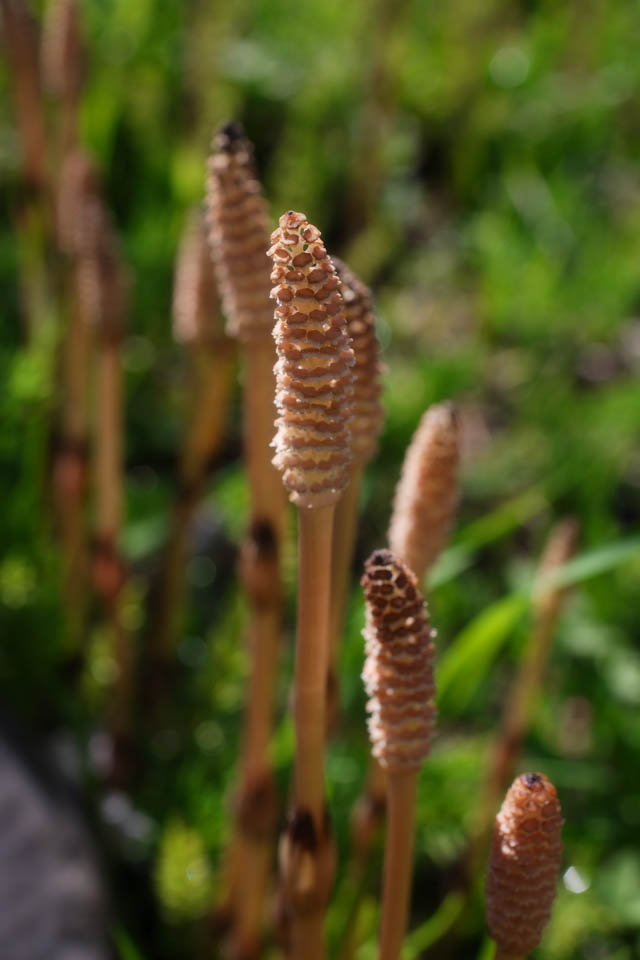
x=477, y=163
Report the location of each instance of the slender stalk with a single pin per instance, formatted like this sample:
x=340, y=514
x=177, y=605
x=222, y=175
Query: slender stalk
x=345, y=525
x=312, y=649
x=21, y=49
x=212, y=371
x=265, y=642
x=401, y=800
x=108, y=451
x=70, y=470
x=212, y=376
x=500, y=954
x=109, y=568
x=267, y=495
x=257, y=799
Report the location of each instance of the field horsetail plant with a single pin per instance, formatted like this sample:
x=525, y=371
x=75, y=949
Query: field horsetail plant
x=239, y=237
x=314, y=397
x=241, y=741
x=398, y=677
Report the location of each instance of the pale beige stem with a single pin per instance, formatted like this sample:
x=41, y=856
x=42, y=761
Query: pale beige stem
x=398, y=863
x=260, y=573
x=312, y=654
x=212, y=386
x=77, y=348
x=344, y=534
x=71, y=467
x=307, y=937
x=212, y=372
x=109, y=443
x=268, y=498
x=264, y=641
x=255, y=857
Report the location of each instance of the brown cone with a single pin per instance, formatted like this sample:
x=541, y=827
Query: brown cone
x=366, y=424
x=398, y=671
x=524, y=861
x=238, y=234
x=314, y=379
x=427, y=493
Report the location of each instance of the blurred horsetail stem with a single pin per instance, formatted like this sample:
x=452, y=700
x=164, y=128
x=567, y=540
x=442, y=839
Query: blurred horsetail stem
x=238, y=234
x=21, y=42
x=547, y=605
x=314, y=396
x=106, y=290
x=63, y=66
x=197, y=326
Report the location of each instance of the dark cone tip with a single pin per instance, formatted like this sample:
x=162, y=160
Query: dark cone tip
x=380, y=558
x=230, y=133
x=531, y=779
x=263, y=536
x=301, y=829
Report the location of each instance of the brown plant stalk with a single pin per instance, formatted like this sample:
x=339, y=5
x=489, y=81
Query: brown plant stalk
x=525, y=857
x=21, y=43
x=63, y=68
x=314, y=395
x=398, y=677
x=238, y=233
x=105, y=289
x=365, y=431
x=210, y=356
x=78, y=212
x=516, y=719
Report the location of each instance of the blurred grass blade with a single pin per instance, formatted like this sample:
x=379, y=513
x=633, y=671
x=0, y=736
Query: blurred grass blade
x=450, y=564
x=495, y=525
x=466, y=662
x=505, y=518
x=487, y=950
x=125, y=947
x=591, y=564
x=435, y=927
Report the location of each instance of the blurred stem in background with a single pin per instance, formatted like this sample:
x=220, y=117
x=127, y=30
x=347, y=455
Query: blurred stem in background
x=197, y=325
x=518, y=712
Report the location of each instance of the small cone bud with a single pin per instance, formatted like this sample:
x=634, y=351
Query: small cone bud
x=427, y=493
x=524, y=861
x=195, y=299
x=62, y=50
x=314, y=380
x=238, y=234
x=398, y=672
x=366, y=424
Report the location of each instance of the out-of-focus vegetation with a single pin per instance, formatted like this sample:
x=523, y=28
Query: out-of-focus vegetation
x=477, y=163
